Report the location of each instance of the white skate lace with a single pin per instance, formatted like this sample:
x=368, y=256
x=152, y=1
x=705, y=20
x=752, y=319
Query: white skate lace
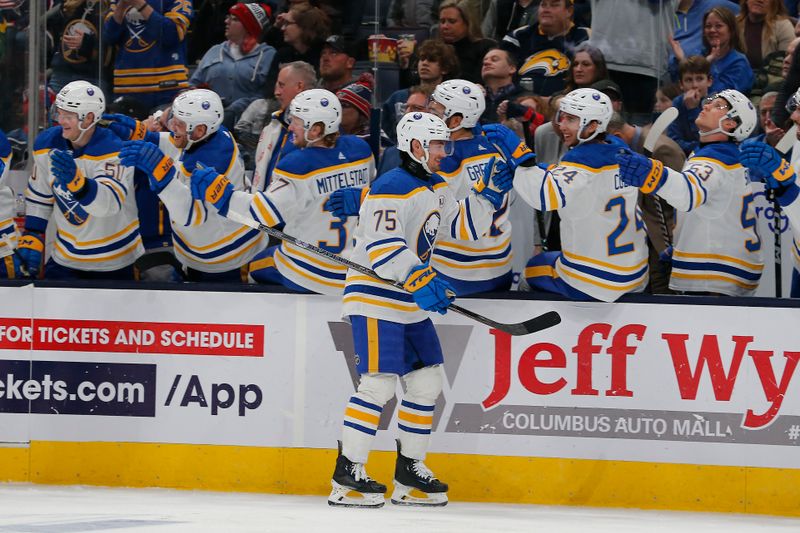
x=360, y=473
x=422, y=470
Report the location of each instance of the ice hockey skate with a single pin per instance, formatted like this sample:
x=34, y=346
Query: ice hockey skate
x=352, y=487
x=413, y=476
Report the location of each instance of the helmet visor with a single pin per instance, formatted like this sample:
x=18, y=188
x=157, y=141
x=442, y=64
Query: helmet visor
x=446, y=148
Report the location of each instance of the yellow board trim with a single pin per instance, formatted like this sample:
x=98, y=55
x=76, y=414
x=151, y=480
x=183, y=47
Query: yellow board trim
x=548, y=481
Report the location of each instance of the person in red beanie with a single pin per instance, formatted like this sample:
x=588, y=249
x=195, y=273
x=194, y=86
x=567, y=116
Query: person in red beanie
x=237, y=69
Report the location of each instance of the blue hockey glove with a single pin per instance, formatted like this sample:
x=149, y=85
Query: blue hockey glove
x=125, y=127
x=514, y=149
x=11, y=267
x=496, y=181
x=31, y=250
x=343, y=203
x=210, y=186
x=430, y=292
x=66, y=173
x=640, y=171
x=766, y=164
x=149, y=159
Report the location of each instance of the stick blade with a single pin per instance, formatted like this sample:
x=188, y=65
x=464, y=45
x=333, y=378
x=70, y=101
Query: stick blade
x=788, y=139
x=659, y=126
x=544, y=321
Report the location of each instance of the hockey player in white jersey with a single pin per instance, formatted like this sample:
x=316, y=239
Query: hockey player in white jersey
x=779, y=175
x=10, y=264
x=300, y=184
x=210, y=247
x=717, y=248
x=603, y=250
x=399, y=220
x=77, y=170
x=483, y=265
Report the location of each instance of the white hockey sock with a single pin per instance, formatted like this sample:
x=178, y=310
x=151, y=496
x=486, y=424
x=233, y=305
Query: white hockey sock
x=415, y=417
x=363, y=413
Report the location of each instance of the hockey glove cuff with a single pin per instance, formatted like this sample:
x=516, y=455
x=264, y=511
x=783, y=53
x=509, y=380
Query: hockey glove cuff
x=210, y=186
x=649, y=175
x=496, y=181
x=430, y=292
x=31, y=251
x=514, y=150
x=125, y=127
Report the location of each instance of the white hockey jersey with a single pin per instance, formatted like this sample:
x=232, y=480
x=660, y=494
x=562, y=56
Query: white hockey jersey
x=490, y=256
x=398, y=223
x=604, y=252
x=300, y=185
x=273, y=143
x=203, y=239
x=791, y=207
x=8, y=233
x=717, y=247
x=101, y=236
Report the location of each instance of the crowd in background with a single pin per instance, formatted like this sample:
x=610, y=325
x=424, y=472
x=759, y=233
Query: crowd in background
x=645, y=55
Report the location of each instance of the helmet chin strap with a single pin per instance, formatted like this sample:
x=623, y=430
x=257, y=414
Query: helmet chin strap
x=84, y=130
x=718, y=129
x=424, y=160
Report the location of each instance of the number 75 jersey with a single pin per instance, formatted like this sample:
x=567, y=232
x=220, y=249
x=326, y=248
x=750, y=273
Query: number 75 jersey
x=603, y=247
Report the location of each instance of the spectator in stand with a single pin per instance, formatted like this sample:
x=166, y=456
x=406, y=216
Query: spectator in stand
x=505, y=16
x=770, y=133
x=151, y=49
x=457, y=26
x=780, y=115
x=498, y=79
x=305, y=29
x=613, y=91
x=73, y=26
x=293, y=79
x=521, y=115
x=206, y=29
x=729, y=66
x=411, y=14
x=634, y=37
x=664, y=97
x=588, y=66
x=695, y=83
x=543, y=51
x=237, y=69
x=356, y=100
x=787, y=59
x=687, y=31
x=436, y=62
x=766, y=29
x=336, y=63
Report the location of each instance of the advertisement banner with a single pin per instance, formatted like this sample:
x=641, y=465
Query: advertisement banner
x=696, y=384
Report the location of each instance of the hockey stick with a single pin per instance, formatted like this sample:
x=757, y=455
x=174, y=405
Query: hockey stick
x=783, y=146
x=660, y=126
x=538, y=323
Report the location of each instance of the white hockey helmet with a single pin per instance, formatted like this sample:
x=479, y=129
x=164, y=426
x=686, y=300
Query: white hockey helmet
x=741, y=111
x=425, y=128
x=317, y=105
x=461, y=97
x=198, y=107
x=82, y=98
x=793, y=102
x=590, y=105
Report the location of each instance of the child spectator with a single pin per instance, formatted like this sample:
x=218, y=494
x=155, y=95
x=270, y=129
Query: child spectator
x=695, y=72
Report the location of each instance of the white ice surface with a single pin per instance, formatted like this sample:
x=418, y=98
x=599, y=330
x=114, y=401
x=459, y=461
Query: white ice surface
x=28, y=508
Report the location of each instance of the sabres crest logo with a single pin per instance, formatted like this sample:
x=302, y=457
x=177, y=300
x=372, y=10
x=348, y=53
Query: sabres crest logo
x=547, y=63
x=427, y=235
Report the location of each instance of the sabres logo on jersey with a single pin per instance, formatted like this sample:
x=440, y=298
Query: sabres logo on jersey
x=75, y=27
x=427, y=236
x=72, y=210
x=136, y=27
x=548, y=63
